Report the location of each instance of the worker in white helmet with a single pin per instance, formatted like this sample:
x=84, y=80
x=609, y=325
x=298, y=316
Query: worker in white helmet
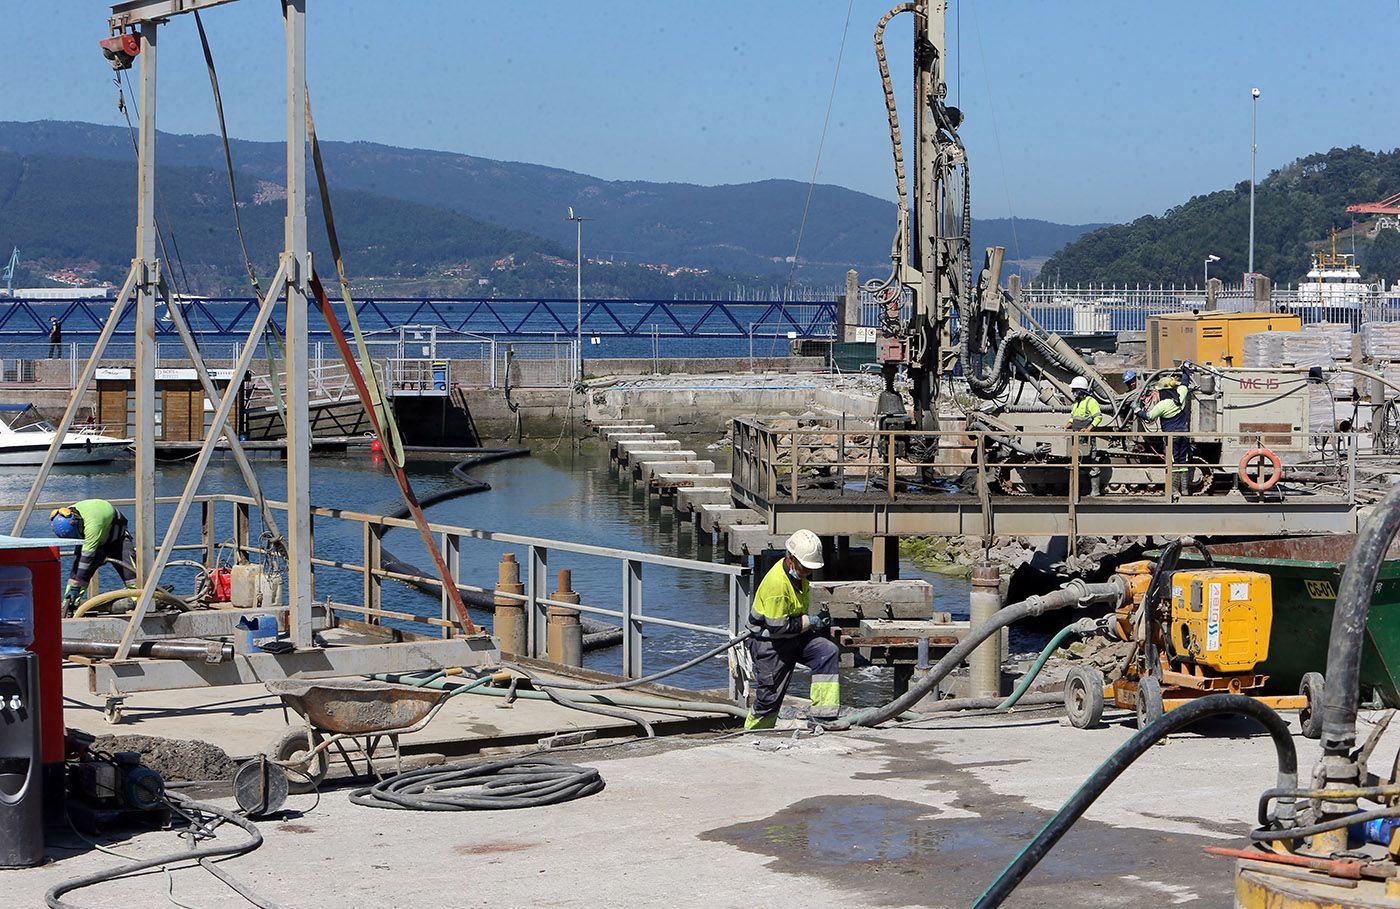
x=785, y=634
x=1085, y=416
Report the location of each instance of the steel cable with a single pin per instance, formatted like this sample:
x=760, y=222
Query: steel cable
x=523, y=782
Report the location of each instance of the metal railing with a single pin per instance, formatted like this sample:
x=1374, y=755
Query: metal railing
x=782, y=464
x=240, y=514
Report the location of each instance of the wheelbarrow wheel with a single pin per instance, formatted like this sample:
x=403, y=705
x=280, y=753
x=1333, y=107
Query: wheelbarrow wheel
x=1084, y=697
x=303, y=774
x=1310, y=717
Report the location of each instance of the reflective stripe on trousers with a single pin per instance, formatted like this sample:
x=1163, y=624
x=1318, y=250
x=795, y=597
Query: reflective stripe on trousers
x=773, y=662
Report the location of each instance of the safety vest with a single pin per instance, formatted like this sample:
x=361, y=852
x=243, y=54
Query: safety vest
x=1085, y=414
x=1171, y=411
x=779, y=604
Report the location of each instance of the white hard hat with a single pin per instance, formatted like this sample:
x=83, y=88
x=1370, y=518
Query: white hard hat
x=1079, y=383
x=806, y=548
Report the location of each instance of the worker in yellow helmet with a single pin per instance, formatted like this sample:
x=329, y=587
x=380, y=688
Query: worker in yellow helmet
x=1173, y=414
x=785, y=634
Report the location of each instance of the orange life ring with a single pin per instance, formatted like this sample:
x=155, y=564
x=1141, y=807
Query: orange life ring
x=1269, y=481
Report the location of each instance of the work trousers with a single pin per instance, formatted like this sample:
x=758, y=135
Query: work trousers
x=116, y=548
x=773, y=662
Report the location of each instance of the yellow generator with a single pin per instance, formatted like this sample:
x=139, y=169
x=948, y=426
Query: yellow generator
x=1210, y=338
x=1205, y=632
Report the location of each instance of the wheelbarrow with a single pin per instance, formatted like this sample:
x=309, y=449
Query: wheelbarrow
x=361, y=713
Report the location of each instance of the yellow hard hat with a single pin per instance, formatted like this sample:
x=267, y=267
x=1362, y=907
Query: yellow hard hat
x=1167, y=382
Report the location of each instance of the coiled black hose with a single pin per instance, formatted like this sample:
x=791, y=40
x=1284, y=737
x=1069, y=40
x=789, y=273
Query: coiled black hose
x=1122, y=759
x=523, y=782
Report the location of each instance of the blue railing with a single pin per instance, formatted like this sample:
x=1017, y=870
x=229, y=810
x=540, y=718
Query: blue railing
x=29, y=318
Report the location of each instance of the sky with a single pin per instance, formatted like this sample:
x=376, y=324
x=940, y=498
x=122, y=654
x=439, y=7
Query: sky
x=1076, y=111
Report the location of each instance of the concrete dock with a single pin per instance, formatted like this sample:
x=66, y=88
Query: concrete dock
x=908, y=816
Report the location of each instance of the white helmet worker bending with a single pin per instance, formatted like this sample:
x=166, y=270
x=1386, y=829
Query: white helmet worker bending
x=783, y=633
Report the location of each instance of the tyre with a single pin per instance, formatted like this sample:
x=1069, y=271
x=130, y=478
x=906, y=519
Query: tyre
x=303, y=774
x=1149, y=701
x=1310, y=717
x=1084, y=697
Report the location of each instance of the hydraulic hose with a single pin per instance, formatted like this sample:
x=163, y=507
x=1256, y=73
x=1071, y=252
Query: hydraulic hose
x=522, y=782
x=55, y=894
x=1083, y=626
x=1123, y=758
x=1075, y=593
x=128, y=593
x=642, y=702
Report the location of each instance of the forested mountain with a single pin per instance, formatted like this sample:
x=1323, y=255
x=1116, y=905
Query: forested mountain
x=1296, y=209
x=744, y=231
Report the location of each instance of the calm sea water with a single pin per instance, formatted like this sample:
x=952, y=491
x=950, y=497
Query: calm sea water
x=557, y=493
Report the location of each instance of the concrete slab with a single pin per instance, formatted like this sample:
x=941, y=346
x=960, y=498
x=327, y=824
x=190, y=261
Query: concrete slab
x=616, y=437
x=874, y=599
x=645, y=470
x=716, y=517
x=900, y=817
x=682, y=480
x=688, y=499
x=751, y=539
x=626, y=449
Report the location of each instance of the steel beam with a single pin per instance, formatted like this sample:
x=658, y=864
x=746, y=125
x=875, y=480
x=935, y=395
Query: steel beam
x=148, y=266
x=298, y=277
x=198, y=623
x=120, y=677
x=135, y=12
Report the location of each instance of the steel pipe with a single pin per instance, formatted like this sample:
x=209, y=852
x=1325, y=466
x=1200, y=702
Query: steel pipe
x=205, y=652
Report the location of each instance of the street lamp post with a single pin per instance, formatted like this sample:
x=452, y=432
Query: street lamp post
x=1210, y=259
x=578, y=288
x=1253, y=154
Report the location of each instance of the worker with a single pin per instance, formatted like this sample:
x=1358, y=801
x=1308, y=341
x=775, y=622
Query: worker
x=55, y=337
x=102, y=528
x=1086, y=415
x=1130, y=381
x=1173, y=414
x=784, y=634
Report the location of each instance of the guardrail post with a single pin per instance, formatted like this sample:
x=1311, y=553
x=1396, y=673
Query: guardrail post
x=1073, y=493
x=890, y=479
x=240, y=532
x=206, y=522
x=631, y=611
x=452, y=555
x=373, y=562
x=311, y=547
x=792, y=456
x=535, y=590
x=738, y=620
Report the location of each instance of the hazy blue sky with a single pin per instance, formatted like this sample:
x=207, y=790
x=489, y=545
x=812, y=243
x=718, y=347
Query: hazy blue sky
x=1079, y=110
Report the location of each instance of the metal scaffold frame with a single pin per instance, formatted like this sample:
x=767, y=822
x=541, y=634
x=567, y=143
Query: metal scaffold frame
x=292, y=282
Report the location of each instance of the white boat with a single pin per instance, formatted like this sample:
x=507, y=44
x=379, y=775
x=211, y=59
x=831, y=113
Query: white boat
x=25, y=439
x=1333, y=281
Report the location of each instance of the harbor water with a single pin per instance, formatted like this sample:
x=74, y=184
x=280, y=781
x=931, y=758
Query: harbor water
x=559, y=493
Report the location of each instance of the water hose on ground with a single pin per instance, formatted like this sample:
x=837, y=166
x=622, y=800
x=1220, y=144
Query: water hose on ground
x=1130, y=751
x=596, y=634
x=1075, y=593
x=55, y=894
x=522, y=782
x=1083, y=626
x=643, y=702
x=128, y=593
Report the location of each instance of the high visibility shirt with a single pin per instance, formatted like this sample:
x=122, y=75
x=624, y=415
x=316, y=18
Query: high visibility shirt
x=1170, y=408
x=1085, y=414
x=779, y=603
x=98, y=519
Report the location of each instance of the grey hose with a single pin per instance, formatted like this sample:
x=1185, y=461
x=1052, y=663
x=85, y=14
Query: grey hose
x=1074, y=593
x=523, y=782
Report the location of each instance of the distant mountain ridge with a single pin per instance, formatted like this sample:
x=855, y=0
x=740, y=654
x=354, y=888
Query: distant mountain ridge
x=739, y=230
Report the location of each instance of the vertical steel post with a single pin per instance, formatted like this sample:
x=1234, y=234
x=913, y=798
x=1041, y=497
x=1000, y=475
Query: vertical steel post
x=631, y=612
x=298, y=274
x=143, y=375
x=452, y=555
x=739, y=597
x=535, y=590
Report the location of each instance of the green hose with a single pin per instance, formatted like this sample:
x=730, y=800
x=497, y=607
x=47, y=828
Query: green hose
x=629, y=700
x=1040, y=661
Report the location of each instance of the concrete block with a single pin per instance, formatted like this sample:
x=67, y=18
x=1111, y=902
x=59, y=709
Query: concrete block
x=627, y=448
x=618, y=437
x=690, y=498
x=682, y=480
x=648, y=469
x=752, y=539
x=860, y=600
x=721, y=517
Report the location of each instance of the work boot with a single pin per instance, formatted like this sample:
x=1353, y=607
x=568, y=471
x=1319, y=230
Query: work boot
x=1095, y=481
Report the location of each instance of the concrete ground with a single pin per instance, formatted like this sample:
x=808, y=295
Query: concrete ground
x=892, y=817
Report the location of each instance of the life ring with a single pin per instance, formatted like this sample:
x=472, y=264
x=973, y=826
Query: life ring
x=1269, y=481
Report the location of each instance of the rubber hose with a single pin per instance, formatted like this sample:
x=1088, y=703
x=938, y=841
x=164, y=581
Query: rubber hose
x=1123, y=758
x=1342, y=687
x=54, y=896
x=596, y=635
x=127, y=593
x=991, y=702
x=628, y=700
x=655, y=676
x=1072, y=594
x=1040, y=661
x=523, y=782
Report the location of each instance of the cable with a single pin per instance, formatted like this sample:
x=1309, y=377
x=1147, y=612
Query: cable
x=523, y=782
x=1123, y=758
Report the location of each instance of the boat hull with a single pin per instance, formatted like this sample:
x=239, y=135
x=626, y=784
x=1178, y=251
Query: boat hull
x=70, y=453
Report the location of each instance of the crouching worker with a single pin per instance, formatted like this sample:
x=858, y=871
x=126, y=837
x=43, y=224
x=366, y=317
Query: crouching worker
x=105, y=539
x=785, y=635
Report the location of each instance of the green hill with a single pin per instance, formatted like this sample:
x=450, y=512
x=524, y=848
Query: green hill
x=1296, y=208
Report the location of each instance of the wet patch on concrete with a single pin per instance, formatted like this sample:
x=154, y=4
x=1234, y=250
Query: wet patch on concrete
x=894, y=853
x=498, y=848
x=295, y=828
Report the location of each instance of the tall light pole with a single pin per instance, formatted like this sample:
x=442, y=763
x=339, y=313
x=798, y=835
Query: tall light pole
x=1253, y=154
x=578, y=287
x=1210, y=259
